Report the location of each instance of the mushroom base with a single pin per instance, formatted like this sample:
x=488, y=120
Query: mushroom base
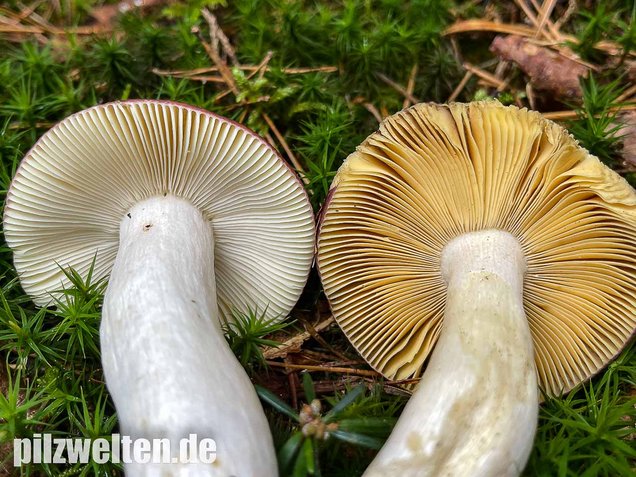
x=166, y=362
x=475, y=409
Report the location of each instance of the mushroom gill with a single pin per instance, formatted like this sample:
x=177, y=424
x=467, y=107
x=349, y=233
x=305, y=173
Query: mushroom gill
x=434, y=172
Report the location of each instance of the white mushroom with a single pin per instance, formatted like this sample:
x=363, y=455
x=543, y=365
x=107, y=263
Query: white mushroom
x=192, y=216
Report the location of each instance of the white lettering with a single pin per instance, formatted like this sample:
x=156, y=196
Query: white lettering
x=21, y=452
x=44, y=449
x=60, y=446
x=101, y=450
x=207, y=450
x=78, y=450
x=141, y=451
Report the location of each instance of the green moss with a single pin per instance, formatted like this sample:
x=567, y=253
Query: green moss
x=54, y=381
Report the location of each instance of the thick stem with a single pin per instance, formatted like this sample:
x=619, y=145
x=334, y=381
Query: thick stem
x=475, y=409
x=167, y=365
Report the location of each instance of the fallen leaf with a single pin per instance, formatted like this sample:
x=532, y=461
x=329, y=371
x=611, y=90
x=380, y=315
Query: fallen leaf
x=548, y=70
x=628, y=133
x=104, y=15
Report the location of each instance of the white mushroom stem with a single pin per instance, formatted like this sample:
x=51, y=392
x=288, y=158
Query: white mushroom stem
x=475, y=409
x=167, y=365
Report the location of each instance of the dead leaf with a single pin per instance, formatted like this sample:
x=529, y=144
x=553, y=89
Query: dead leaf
x=548, y=70
x=628, y=133
x=104, y=15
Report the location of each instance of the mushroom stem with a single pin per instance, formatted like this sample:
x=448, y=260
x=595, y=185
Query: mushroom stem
x=166, y=363
x=475, y=409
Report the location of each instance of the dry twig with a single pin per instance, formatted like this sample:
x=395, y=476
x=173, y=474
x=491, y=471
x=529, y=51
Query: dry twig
x=566, y=115
x=398, y=87
x=226, y=74
x=262, y=66
x=325, y=369
x=465, y=26
x=490, y=79
x=410, y=86
x=218, y=36
x=544, y=18
x=194, y=73
x=315, y=335
x=294, y=344
x=373, y=110
x=285, y=146
x=460, y=87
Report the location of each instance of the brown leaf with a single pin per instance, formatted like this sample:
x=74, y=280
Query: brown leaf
x=548, y=70
x=628, y=133
x=104, y=15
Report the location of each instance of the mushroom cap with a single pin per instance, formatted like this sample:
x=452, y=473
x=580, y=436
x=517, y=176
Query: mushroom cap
x=433, y=172
x=76, y=184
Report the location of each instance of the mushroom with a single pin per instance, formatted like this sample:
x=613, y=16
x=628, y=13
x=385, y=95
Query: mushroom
x=480, y=245
x=192, y=216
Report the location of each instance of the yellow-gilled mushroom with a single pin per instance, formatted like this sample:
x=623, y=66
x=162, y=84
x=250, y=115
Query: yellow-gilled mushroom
x=479, y=246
